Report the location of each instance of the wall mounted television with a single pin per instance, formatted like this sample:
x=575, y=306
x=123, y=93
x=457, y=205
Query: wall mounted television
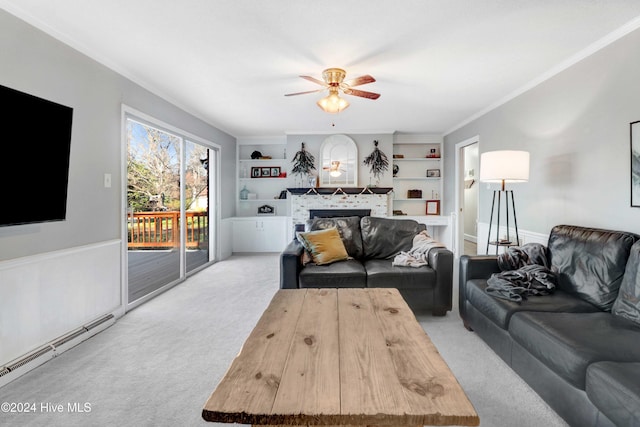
x=36, y=143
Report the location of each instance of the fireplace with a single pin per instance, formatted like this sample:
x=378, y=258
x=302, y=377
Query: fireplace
x=338, y=202
x=324, y=213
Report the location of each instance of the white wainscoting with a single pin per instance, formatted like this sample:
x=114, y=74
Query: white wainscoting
x=525, y=237
x=43, y=297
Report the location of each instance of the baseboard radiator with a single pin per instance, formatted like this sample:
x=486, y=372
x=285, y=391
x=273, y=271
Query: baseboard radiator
x=24, y=364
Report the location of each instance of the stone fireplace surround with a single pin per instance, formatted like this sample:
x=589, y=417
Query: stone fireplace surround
x=305, y=200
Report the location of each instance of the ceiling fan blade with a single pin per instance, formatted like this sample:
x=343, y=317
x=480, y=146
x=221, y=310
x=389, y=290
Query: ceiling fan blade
x=362, y=93
x=303, y=93
x=362, y=80
x=313, y=79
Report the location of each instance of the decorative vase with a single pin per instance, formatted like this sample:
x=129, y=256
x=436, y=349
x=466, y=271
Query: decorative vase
x=244, y=193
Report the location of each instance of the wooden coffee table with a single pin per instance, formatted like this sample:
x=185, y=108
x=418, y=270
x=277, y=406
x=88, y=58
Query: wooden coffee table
x=339, y=357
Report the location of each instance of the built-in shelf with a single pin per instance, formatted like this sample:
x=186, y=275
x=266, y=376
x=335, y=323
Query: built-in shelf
x=409, y=178
x=420, y=168
x=262, y=179
x=260, y=160
x=262, y=200
x=416, y=159
x=264, y=189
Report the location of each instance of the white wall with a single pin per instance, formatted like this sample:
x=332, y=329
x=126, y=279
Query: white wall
x=35, y=63
x=576, y=127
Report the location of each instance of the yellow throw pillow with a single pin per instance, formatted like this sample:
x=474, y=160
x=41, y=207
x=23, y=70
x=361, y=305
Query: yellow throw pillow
x=325, y=246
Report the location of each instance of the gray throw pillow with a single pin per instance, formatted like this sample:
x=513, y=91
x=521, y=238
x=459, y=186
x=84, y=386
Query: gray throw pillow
x=627, y=304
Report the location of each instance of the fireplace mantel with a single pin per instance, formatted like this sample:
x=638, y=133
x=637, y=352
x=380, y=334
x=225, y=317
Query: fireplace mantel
x=339, y=190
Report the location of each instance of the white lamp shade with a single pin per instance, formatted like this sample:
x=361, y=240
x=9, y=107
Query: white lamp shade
x=504, y=165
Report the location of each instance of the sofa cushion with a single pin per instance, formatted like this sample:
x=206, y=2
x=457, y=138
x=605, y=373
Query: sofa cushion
x=500, y=310
x=349, y=229
x=342, y=274
x=325, y=246
x=627, y=304
x=384, y=238
x=381, y=274
x=590, y=262
x=569, y=342
x=614, y=388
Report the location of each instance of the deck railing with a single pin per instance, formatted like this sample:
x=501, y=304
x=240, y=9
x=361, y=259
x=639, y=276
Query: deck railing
x=161, y=230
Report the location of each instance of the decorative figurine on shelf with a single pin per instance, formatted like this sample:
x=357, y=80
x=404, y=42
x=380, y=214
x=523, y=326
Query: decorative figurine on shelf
x=303, y=162
x=377, y=162
x=256, y=155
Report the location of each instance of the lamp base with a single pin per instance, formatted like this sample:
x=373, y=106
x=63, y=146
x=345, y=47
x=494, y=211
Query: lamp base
x=498, y=242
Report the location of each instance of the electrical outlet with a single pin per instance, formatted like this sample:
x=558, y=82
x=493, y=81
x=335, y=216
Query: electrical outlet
x=107, y=180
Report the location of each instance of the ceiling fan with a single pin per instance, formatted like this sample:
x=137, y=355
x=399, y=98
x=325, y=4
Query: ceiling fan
x=334, y=82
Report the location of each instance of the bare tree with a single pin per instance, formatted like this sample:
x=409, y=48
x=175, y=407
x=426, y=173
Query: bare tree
x=153, y=169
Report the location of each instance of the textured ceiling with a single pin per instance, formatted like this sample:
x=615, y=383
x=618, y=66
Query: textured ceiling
x=437, y=63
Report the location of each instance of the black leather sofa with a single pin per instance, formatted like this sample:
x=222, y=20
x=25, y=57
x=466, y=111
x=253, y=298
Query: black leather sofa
x=372, y=243
x=578, y=348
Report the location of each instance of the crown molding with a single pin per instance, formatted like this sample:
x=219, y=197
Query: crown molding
x=610, y=38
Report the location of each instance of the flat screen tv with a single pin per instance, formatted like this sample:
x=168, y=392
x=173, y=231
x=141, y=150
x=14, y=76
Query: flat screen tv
x=34, y=173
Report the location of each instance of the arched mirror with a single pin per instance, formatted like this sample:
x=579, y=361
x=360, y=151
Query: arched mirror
x=339, y=162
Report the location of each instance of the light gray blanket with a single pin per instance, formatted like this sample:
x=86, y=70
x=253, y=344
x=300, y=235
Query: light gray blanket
x=419, y=253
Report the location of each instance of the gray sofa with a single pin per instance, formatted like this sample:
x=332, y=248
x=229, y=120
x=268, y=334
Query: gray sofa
x=372, y=243
x=578, y=348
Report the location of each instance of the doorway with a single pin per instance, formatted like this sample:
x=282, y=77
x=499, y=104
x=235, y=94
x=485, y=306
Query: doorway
x=467, y=184
x=171, y=194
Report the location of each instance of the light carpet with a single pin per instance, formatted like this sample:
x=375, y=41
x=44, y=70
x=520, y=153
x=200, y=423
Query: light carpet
x=160, y=362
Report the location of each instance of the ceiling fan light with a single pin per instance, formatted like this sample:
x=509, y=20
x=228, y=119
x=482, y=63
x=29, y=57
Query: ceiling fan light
x=332, y=103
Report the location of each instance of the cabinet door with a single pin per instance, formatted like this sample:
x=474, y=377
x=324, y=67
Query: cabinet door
x=275, y=235
x=259, y=235
x=244, y=236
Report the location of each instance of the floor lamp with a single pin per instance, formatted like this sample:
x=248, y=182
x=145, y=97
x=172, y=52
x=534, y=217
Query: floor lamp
x=503, y=166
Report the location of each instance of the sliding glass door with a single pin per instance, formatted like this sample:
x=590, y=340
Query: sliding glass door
x=169, y=221
x=196, y=200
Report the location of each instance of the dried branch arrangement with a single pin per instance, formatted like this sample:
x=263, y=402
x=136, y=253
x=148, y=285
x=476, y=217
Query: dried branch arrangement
x=377, y=161
x=303, y=162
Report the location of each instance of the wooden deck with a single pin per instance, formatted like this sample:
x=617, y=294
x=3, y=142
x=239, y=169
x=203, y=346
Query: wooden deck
x=152, y=269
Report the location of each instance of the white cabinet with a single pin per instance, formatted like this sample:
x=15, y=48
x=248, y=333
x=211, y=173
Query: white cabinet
x=417, y=165
x=260, y=234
